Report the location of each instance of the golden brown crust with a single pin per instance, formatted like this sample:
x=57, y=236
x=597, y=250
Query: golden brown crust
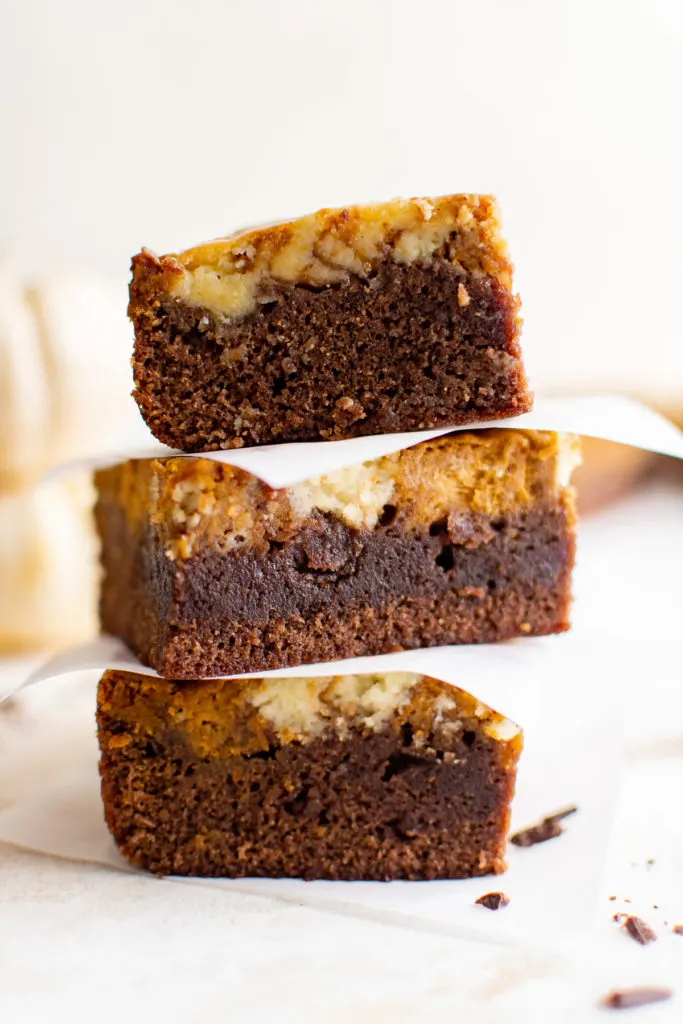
x=224, y=717
x=231, y=275
x=198, y=502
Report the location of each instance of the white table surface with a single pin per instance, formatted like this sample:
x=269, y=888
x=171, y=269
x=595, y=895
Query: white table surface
x=85, y=943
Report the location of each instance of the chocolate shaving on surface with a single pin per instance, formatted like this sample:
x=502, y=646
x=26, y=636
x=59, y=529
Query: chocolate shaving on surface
x=630, y=997
x=548, y=828
x=493, y=900
x=639, y=930
x=678, y=929
x=561, y=815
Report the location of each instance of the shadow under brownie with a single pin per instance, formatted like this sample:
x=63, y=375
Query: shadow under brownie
x=207, y=571
x=355, y=321
x=349, y=777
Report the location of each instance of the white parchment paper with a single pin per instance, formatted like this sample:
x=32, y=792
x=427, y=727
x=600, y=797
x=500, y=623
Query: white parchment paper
x=612, y=417
x=509, y=676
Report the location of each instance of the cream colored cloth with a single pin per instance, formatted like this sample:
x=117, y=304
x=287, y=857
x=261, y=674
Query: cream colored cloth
x=64, y=393
x=48, y=566
x=65, y=347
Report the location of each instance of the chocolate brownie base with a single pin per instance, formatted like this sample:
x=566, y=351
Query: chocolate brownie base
x=402, y=346
x=418, y=791
x=336, y=592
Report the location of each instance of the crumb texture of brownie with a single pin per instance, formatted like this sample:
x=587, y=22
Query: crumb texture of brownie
x=348, y=322
x=374, y=777
x=208, y=572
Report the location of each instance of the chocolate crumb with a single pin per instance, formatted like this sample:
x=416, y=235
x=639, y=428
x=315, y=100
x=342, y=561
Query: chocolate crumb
x=678, y=929
x=618, y=917
x=611, y=897
x=639, y=930
x=548, y=828
x=629, y=997
x=650, y=862
x=560, y=815
x=493, y=900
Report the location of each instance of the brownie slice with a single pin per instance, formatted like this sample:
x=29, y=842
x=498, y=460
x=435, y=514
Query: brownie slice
x=465, y=539
x=348, y=777
x=363, y=320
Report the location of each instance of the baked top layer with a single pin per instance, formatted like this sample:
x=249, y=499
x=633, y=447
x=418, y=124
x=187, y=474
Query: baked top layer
x=196, y=503
x=232, y=276
x=385, y=776
x=224, y=717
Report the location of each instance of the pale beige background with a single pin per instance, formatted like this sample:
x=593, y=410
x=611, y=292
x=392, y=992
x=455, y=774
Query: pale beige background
x=163, y=122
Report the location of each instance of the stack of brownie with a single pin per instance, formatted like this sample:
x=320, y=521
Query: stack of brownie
x=350, y=322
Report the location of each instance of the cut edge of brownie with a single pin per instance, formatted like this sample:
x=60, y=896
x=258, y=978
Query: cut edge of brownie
x=212, y=779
